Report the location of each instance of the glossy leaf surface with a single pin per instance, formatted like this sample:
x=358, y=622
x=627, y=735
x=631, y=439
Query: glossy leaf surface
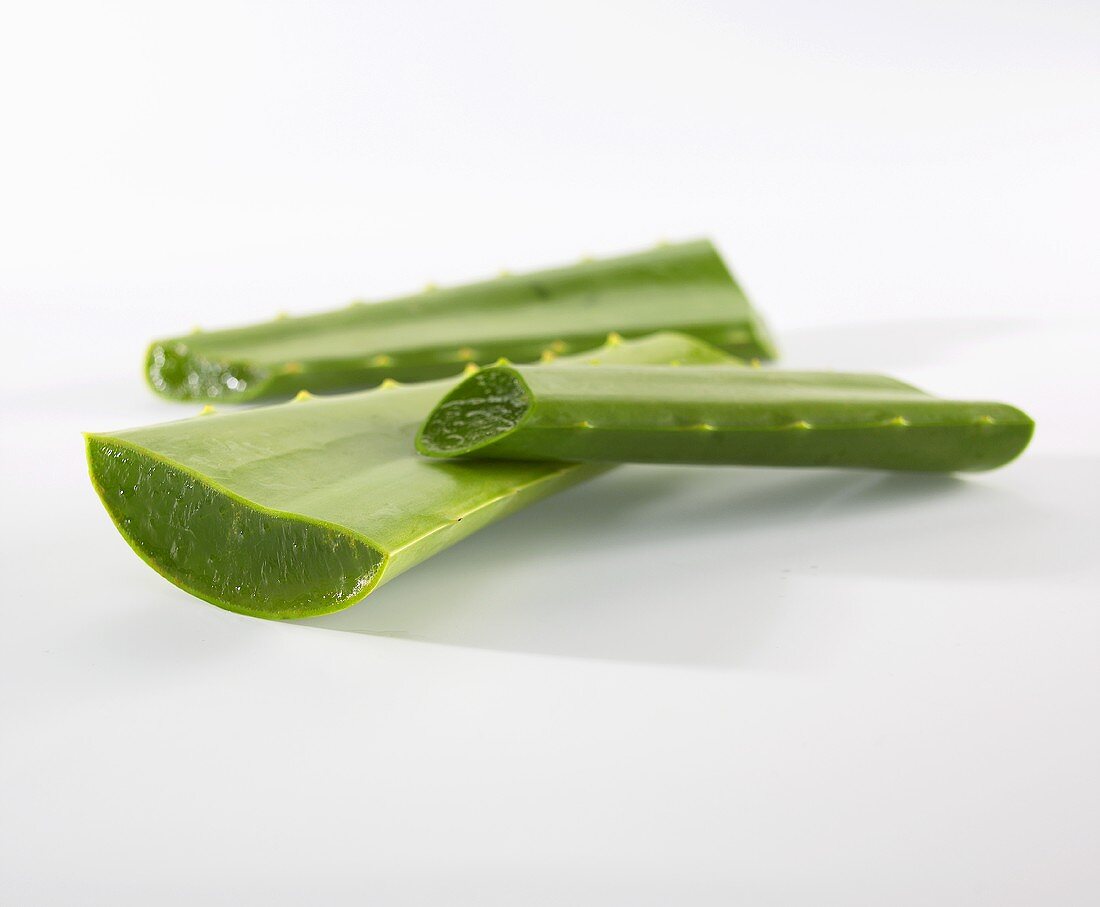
x=743, y=416
x=684, y=287
x=303, y=508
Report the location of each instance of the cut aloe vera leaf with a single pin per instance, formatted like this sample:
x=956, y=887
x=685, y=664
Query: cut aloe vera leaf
x=742, y=416
x=684, y=287
x=305, y=507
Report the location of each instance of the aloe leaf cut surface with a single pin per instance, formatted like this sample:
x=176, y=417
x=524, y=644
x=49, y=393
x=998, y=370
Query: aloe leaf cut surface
x=742, y=416
x=684, y=287
x=303, y=508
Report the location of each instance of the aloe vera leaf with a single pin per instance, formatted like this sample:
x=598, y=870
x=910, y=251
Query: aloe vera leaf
x=303, y=508
x=741, y=416
x=683, y=287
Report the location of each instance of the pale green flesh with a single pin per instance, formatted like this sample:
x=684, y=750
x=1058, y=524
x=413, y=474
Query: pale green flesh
x=744, y=416
x=684, y=287
x=305, y=507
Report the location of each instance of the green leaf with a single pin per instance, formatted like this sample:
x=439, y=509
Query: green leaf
x=738, y=416
x=684, y=287
x=305, y=507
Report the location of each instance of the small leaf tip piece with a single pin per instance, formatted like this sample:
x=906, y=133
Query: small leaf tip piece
x=207, y=410
x=503, y=361
x=614, y=338
x=302, y=396
x=471, y=368
x=547, y=356
x=388, y=384
x=900, y=421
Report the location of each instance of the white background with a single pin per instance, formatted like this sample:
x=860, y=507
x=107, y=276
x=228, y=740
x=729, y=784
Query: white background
x=681, y=686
